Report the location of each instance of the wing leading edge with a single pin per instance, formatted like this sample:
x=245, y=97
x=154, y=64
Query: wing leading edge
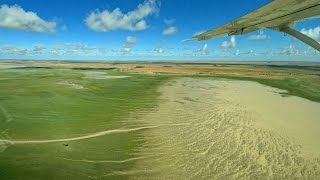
x=279, y=15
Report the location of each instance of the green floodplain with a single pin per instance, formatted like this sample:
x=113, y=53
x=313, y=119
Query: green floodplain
x=61, y=103
x=40, y=104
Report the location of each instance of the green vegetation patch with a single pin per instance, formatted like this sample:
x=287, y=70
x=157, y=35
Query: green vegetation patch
x=46, y=104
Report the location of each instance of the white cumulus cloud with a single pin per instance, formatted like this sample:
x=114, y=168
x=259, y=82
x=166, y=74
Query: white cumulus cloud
x=131, y=40
x=159, y=50
x=9, y=49
x=113, y=20
x=14, y=17
x=260, y=36
x=169, y=22
x=204, y=49
x=38, y=47
x=170, y=30
x=229, y=44
x=126, y=49
x=290, y=50
x=313, y=32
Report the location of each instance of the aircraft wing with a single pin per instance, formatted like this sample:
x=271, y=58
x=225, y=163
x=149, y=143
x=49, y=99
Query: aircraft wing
x=275, y=15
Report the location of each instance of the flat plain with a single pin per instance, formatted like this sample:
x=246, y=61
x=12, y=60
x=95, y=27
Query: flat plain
x=168, y=120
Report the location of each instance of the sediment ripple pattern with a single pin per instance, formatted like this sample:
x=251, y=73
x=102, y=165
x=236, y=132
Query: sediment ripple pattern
x=220, y=142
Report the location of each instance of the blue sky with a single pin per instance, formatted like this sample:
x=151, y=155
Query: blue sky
x=140, y=30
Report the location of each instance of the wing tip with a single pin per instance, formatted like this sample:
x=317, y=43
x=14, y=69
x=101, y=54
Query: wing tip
x=190, y=39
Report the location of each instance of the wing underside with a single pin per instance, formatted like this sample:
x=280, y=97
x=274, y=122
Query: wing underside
x=275, y=15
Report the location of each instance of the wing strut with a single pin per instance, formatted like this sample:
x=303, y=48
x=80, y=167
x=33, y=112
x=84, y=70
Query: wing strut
x=302, y=37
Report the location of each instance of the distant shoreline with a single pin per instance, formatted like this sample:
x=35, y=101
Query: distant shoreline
x=192, y=62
